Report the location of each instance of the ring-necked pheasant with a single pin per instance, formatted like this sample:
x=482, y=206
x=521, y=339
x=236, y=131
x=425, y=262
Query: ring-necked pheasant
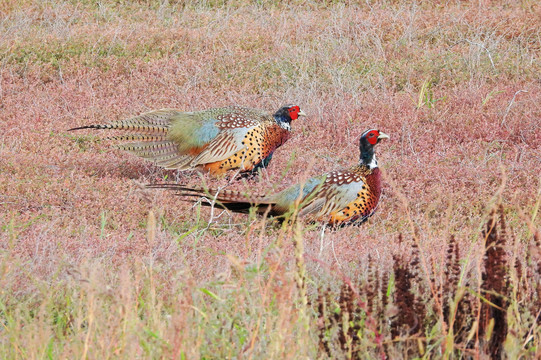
x=215, y=140
x=337, y=198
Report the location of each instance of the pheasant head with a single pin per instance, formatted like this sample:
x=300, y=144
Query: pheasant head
x=286, y=114
x=369, y=139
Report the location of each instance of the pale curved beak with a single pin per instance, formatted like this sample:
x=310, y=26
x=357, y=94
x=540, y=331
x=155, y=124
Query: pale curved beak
x=301, y=113
x=382, y=136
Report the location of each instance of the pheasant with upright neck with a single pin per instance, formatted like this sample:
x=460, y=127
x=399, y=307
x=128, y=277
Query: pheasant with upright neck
x=337, y=198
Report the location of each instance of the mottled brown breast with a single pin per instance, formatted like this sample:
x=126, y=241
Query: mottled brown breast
x=367, y=198
x=260, y=142
x=274, y=136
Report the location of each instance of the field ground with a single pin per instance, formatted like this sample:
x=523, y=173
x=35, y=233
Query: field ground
x=92, y=265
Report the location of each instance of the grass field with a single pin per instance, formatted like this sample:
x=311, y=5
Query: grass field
x=92, y=265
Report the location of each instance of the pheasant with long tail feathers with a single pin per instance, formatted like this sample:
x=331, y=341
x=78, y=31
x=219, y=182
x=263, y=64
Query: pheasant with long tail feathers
x=337, y=198
x=214, y=140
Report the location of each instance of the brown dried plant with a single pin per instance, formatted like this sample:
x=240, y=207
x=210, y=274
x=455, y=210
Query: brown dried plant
x=495, y=292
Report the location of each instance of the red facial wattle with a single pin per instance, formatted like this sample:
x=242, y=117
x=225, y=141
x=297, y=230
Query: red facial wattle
x=294, y=112
x=372, y=137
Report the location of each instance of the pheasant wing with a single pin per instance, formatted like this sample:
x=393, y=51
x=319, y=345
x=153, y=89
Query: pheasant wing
x=226, y=144
x=339, y=190
x=216, y=134
x=195, y=130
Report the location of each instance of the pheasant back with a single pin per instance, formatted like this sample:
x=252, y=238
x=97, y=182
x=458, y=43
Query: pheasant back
x=338, y=198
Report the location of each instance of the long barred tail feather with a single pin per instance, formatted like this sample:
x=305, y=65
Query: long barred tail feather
x=233, y=200
x=163, y=152
x=173, y=160
x=153, y=122
x=128, y=125
x=137, y=137
x=152, y=149
x=148, y=138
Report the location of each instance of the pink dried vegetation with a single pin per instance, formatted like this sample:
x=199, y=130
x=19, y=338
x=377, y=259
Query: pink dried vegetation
x=455, y=87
